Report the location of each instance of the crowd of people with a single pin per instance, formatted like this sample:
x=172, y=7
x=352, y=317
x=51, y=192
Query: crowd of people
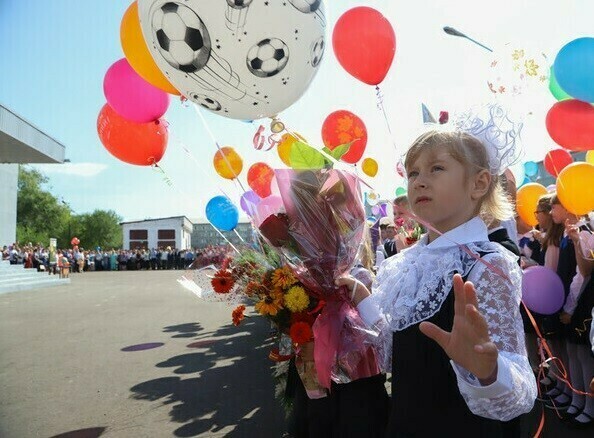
x=79, y=260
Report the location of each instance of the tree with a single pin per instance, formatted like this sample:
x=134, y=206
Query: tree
x=40, y=216
x=100, y=228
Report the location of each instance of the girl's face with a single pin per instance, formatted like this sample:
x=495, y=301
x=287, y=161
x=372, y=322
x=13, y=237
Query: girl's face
x=543, y=218
x=559, y=214
x=439, y=191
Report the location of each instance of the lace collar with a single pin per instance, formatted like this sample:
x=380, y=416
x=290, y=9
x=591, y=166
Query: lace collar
x=412, y=286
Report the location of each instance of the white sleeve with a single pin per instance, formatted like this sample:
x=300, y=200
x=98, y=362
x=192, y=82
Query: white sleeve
x=575, y=291
x=514, y=391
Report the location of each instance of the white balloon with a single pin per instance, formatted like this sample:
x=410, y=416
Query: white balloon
x=242, y=59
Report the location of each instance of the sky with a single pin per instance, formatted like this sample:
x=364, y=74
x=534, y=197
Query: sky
x=54, y=55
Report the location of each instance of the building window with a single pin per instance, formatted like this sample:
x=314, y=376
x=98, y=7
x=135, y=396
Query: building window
x=138, y=235
x=166, y=235
x=138, y=244
x=165, y=243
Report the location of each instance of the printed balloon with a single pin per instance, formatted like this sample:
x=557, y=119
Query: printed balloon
x=241, y=59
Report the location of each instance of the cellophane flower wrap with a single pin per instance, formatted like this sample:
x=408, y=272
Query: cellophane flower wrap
x=320, y=234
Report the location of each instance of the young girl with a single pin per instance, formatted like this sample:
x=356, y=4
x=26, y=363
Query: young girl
x=458, y=355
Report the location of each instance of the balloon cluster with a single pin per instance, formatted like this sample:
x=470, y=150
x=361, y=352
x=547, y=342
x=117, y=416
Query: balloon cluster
x=130, y=124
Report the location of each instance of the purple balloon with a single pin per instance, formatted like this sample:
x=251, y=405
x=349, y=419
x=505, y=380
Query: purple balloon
x=249, y=202
x=375, y=210
x=383, y=210
x=542, y=290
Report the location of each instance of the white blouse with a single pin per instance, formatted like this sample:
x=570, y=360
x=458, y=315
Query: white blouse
x=412, y=286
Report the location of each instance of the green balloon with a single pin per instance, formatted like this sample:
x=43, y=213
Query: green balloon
x=400, y=191
x=555, y=88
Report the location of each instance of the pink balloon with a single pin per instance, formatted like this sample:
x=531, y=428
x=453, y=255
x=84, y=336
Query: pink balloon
x=267, y=207
x=131, y=96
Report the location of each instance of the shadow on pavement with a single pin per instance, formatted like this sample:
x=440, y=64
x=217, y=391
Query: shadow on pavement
x=188, y=330
x=226, y=382
x=92, y=432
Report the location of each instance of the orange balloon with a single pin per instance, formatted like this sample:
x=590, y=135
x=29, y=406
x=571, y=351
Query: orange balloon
x=259, y=179
x=527, y=201
x=227, y=163
x=137, y=52
x=369, y=167
x=142, y=144
x=284, y=147
x=575, y=188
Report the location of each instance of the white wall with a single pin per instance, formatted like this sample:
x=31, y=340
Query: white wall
x=183, y=231
x=9, y=174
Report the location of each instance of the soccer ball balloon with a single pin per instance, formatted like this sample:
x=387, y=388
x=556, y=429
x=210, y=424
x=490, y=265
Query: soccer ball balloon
x=242, y=59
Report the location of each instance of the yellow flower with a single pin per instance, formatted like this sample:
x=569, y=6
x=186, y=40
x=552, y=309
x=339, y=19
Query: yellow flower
x=270, y=304
x=283, y=278
x=296, y=300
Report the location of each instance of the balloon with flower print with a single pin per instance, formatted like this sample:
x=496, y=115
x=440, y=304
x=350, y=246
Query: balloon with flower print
x=344, y=127
x=227, y=163
x=259, y=179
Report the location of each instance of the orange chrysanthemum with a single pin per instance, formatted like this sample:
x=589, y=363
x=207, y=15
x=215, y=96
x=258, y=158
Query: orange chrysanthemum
x=222, y=282
x=237, y=314
x=300, y=332
x=283, y=278
x=270, y=304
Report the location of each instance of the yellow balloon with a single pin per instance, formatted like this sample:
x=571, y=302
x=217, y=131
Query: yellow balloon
x=284, y=147
x=369, y=167
x=527, y=201
x=575, y=188
x=590, y=157
x=227, y=163
x=137, y=52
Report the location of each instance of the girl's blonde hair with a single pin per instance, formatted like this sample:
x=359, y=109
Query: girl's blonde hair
x=472, y=154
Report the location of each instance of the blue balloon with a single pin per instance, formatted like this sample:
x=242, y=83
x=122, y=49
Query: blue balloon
x=574, y=69
x=221, y=212
x=530, y=168
x=526, y=181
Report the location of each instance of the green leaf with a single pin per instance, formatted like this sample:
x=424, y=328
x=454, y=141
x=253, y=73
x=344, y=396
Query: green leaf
x=304, y=156
x=338, y=152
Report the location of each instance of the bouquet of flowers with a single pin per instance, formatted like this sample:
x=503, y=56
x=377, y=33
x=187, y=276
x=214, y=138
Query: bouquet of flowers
x=319, y=234
x=410, y=231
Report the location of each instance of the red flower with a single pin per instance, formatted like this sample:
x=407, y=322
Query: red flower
x=222, y=282
x=300, y=333
x=399, y=222
x=410, y=240
x=237, y=314
x=302, y=317
x=444, y=117
x=275, y=229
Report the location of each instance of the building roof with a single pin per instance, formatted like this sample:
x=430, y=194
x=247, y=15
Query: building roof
x=157, y=219
x=22, y=142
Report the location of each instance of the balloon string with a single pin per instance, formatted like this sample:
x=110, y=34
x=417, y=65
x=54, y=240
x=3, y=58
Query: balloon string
x=238, y=235
x=155, y=166
x=382, y=108
x=214, y=140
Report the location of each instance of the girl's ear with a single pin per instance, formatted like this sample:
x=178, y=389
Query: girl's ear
x=481, y=184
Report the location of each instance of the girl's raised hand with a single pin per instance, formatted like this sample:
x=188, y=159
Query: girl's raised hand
x=468, y=344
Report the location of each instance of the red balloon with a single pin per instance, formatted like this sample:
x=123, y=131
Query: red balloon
x=557, y=160
x=571, y=124
x=364, y=43
x=343, y=127
x=259, y=178
x=142, y=144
